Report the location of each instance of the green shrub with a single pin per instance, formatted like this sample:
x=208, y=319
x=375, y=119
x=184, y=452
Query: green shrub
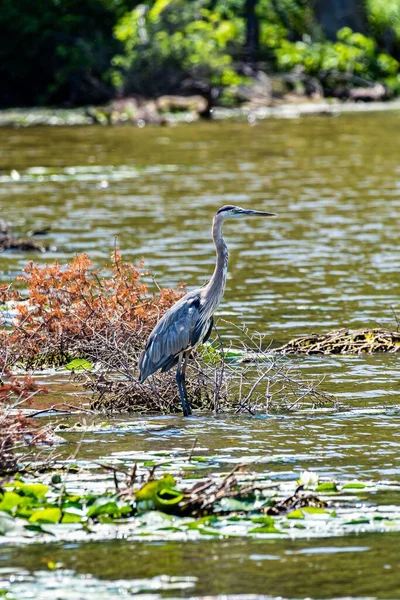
x=57, y=50
x=175, y=41
x=352, y=53
x=384, y=23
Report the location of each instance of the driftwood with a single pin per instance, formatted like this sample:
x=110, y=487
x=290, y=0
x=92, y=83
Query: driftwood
x=10, y=242
x=344, y=341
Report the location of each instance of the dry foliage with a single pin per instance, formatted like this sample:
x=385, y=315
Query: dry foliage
x=345, y=341
x=251, y=381
x=72, y=311
x=15, y=429
x=71, y=308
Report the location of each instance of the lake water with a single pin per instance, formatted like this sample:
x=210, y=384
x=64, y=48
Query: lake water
x=330, y=259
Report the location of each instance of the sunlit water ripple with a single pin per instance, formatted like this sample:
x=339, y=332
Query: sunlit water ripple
x=330, y=259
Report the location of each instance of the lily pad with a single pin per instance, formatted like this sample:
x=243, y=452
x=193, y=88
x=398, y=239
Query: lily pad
x=46, y=515
x=79, y=364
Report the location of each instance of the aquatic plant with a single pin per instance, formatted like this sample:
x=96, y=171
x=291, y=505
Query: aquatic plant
x=142, y=491
x=144, y=502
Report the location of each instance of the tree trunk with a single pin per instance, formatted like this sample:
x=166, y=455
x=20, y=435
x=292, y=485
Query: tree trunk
x=252, y=32
x=334, y=14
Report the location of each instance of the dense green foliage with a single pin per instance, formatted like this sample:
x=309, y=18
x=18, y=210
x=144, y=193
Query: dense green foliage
x=66, y=51
x=175, y=40
x=57, y=50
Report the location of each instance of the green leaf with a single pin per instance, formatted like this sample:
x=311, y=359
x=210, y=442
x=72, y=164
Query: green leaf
x=69, y=517
x=79, y=364
x=265, y=520
x=265, y=529
x=327, y=486
x=234, y=353
x=360, y=521
x=202, y=522
x=46, y=515
x=168, y=497
x=104, y=506
x=314, y=510
x=9, y=501
x=24, y=512
x=205, y=531
x=353, y=486
x=35, y=490
x=159, y=494
x=296, y=514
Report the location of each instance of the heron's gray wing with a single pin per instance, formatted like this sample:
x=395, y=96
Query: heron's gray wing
x=195, y=338
x=209, y=330
x=174, y=333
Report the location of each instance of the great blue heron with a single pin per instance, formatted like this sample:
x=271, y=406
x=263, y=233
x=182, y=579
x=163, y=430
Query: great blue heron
x=189, y=322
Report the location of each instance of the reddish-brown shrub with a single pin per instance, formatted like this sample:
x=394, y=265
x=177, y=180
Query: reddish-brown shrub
x=15, y=428
x=72, y=308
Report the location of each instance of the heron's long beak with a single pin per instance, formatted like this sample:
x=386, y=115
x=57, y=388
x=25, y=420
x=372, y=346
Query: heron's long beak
x=258, y=213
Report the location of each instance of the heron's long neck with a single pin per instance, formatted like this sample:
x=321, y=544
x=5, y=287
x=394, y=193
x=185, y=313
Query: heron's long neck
x=216, y=286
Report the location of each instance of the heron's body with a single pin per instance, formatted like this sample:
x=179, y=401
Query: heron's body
x=189, y=322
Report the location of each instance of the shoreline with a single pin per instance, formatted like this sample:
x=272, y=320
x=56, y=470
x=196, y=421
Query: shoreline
x=88, y=116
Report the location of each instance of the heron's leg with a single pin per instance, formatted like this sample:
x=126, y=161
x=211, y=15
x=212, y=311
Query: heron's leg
x=183, y=372
x=180, y=387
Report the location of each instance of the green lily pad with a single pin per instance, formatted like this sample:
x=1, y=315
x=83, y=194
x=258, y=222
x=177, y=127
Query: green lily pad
x=69, y=517
x=265, y=521
x=353, y=486
x=35, y=490
x=314, y=510
x=327, y=486
x=159, y=494
x=265, y=529
x=360, y=521
x=296, y=514
x=9, y=501
x=79, y=364
x=106, y=506
x=45, y=515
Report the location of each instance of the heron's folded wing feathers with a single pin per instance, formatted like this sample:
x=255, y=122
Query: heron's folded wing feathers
x=174, y=333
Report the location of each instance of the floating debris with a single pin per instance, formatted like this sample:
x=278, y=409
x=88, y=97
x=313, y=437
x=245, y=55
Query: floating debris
x=344, y=341
x=10, y=242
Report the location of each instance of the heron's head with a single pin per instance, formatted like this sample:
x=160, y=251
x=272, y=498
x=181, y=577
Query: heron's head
x=228, y=212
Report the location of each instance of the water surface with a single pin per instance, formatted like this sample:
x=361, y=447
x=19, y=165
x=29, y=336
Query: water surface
x=330, y=259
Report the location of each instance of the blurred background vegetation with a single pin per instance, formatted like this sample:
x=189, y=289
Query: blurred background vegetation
x=79, y=52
